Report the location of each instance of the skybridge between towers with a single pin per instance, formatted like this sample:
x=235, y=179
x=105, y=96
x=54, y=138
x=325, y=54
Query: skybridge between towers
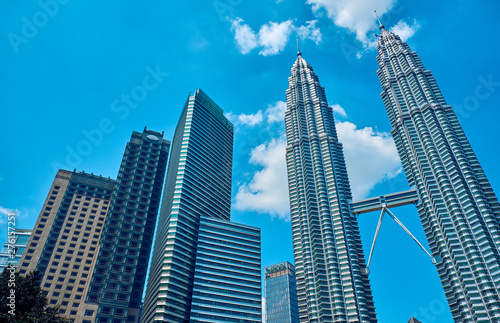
x=383, y=203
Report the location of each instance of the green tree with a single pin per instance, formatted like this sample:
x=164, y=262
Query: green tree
x=22, y=300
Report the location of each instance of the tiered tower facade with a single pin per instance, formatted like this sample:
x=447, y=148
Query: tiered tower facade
x=457, y=207
x=332, y=285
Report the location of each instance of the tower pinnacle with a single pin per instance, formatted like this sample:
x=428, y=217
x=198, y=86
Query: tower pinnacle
x=298, y=48
x=380, y=23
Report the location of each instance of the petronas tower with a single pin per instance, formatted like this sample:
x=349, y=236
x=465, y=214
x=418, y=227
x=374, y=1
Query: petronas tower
x=457, y=207
x=332, y=285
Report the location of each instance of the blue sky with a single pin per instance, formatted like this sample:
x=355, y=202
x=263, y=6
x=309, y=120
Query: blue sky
x=74, y=68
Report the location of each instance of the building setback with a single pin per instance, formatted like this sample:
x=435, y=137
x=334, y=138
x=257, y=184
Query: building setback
x=332, y=285
x=227, y=277
x=92, y=240
x=458, y=208
x=281, y=294
x=198, y=184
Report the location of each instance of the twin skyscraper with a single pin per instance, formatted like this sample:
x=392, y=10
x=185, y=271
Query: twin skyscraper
x=94, y=235
x=457, y=207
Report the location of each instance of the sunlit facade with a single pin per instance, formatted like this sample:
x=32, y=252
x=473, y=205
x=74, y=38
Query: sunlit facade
x=458, y=208
x=332, y=284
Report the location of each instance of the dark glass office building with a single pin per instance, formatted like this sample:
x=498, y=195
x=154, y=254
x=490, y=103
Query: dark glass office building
x=92, y=240
x=281, y=294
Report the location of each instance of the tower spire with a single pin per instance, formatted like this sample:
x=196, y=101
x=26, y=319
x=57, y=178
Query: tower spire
x=298, y=48
x=380, y=23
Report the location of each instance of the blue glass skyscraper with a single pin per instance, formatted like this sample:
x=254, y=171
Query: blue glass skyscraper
x=281, y=294
x=198, y=184
x=227, y=277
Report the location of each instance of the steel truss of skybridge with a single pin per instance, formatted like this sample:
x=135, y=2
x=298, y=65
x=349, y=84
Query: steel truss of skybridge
x=383, y=203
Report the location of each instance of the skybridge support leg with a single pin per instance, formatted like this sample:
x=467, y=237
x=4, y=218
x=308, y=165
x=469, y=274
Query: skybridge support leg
x=375, y=240
x=385, y=209
x=409, y=233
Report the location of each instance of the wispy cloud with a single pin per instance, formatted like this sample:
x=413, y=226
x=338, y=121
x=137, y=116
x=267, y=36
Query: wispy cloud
x=276, y=112
x=272, y=37
x=310, y=31
x=371, y=157
x=4, y=212
x=405, y=31
x=267, y=192
x=245, y=119
x=337, y=109
x=245, y=38
x=357, y=16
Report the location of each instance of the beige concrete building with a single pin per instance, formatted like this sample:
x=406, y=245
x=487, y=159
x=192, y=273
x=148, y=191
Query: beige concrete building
x=65, y=240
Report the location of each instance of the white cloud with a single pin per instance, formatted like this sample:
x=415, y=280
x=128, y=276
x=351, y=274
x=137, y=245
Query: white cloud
x=6, y=212
x=245, y=119
x=274, y=37
x=310, y=32
x=244, y=36
x=263, y=309
x=276, y=112
x=371, y=157
x=355, y=15
x=339, y=110
x=267, y=192
x=405, y=31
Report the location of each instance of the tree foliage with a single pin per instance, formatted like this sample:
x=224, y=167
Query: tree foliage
x=22, y=300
